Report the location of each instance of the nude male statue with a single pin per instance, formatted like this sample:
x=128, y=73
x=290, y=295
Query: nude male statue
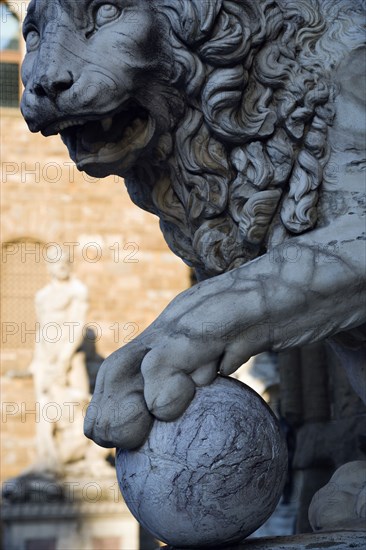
x=59, y=369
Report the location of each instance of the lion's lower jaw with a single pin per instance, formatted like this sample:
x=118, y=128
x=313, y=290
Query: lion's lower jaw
x=111, y=164
x=102, y=158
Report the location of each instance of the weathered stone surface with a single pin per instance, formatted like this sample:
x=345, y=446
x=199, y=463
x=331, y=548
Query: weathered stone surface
x=338, y=540
x=212, y=476
x=228, y=126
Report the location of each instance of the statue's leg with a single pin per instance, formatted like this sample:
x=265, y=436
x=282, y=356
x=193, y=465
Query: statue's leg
x=46, y=444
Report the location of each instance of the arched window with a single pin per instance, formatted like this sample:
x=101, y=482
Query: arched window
x=10, y=57
x=23, y=272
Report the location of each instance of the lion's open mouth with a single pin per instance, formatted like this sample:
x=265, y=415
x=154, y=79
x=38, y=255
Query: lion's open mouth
x=113, y=140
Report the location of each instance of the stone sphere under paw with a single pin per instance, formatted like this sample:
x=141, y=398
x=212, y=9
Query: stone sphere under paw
x=212, y=476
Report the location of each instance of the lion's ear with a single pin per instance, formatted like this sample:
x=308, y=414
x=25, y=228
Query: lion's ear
x=192, y=20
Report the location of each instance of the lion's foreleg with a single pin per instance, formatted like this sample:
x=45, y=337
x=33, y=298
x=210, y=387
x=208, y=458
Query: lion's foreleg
x=302, y=291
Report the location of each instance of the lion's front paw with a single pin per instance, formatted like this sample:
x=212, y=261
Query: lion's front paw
x=117, y=415
x=141, y=381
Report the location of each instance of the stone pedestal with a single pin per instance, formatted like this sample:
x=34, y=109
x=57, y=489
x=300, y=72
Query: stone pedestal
x=338, y=540
x=67, y=525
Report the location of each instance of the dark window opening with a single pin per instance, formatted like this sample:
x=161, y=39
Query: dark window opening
x=9, y=57
x=9, y=84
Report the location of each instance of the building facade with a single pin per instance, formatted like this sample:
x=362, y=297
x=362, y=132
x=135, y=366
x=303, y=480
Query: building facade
x=47, y=206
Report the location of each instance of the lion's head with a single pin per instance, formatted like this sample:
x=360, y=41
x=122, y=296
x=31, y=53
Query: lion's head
x=215, y=112
x=96, y=74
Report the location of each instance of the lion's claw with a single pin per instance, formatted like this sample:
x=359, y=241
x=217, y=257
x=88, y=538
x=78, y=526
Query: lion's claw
x=139, y=382
x=125, y=424
x=117, y=415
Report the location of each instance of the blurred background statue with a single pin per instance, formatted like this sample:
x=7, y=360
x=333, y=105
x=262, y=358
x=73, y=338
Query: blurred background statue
x=59, y=368
x=61, y=381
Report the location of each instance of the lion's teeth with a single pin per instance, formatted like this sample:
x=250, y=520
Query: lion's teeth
x=128, y=132
x=68, y=123
x=107, y=123
x=137, y=123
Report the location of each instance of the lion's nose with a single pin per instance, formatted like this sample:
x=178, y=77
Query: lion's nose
x=51, y=85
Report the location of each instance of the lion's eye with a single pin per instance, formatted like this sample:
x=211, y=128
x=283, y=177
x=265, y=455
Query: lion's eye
x=32, y=40
x=105, y=14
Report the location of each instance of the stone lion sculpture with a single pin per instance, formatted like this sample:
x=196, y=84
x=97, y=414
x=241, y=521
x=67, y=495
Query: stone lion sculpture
x=240, y=124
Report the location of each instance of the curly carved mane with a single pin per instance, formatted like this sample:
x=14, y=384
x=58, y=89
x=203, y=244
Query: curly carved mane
x=252, y=144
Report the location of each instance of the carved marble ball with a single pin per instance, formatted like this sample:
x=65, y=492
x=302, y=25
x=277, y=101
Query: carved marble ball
x=211, y=477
